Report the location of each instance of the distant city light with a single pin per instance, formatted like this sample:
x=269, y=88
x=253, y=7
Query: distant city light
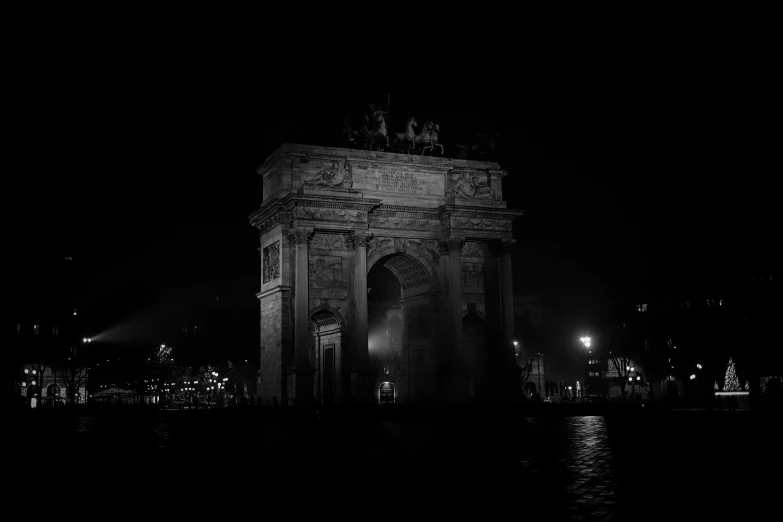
x=698, y=366
x=630, y=379
x=26, y=370
x=638, y=378
x=693, y=376
x=586, y=341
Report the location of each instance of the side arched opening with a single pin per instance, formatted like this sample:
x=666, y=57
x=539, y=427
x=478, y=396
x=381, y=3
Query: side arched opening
x=327, y=328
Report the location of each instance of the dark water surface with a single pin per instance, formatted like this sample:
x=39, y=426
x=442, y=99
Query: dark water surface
x=629, y=467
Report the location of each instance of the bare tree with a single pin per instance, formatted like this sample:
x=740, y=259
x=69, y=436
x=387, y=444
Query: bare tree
x=74, y=374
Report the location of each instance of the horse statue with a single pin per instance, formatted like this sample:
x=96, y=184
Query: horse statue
x=378, y=136
x=422, y=139
x=433, y=141
x=485, y=148
x=403, y=141
x=349, y=135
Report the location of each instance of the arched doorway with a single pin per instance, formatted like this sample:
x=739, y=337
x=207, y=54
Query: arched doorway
x=327, y=328
x=400, y=316
x=530, y=390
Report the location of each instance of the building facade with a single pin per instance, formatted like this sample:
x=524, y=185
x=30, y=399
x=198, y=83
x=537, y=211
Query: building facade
x=332, y=219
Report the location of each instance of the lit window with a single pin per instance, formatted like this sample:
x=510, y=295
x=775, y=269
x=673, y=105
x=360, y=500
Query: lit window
x=641, y=308
x=74, y=311
x=35, y=329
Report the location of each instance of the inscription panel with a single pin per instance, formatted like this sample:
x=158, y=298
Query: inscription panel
x=398, y=180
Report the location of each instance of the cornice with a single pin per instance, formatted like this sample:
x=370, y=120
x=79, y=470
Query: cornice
x=276, y=290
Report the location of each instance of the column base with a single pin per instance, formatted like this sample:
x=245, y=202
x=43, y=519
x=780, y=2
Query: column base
x=362, y=389
x=457, y=386
x=300, y=387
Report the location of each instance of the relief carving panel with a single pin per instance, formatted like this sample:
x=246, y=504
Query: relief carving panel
x=326, y=272
x=472, y=274
x=271, y=262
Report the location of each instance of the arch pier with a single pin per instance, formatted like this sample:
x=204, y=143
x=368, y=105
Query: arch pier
x=384, y=278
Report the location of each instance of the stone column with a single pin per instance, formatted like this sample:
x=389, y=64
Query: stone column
x=303, y=370
x=507, y=306
x=460, y=374
x=363, y=392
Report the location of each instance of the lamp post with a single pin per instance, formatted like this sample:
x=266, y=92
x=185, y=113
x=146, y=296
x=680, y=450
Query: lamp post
x=587, y=342
x=539, y=373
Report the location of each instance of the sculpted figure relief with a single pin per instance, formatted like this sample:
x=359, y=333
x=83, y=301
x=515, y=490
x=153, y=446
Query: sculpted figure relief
x=271, y=262
x=339, y=176
x=473, y=186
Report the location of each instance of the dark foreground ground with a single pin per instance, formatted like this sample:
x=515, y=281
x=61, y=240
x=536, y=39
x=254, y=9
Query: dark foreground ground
x=624, y=465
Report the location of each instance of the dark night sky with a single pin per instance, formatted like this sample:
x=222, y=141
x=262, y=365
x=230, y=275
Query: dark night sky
x=632, y=177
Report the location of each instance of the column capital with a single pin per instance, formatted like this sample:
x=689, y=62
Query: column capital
x=300, y=236
x=507, y=245
x=453, y=244
x=358, y=239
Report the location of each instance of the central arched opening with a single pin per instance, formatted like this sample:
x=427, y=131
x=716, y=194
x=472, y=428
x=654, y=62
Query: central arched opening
x=399, y=325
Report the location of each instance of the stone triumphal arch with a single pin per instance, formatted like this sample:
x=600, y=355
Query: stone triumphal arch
x=437, y=228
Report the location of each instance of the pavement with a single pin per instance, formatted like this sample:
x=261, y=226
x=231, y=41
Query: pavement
x=621, y=467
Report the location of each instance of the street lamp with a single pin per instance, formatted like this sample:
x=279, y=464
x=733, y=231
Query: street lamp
x=587, y=342
x=540, y=355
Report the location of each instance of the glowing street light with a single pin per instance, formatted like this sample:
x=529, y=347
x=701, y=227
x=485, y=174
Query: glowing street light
x=586, y=341
x=693, y=376
x=698, y=366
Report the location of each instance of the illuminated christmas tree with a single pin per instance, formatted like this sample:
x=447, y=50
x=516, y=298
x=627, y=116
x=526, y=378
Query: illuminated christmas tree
x=747, y=385
x=716, y=387
x=731, y=383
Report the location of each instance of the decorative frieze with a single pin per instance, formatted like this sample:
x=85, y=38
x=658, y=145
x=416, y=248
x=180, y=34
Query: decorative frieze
x=483, y=224
x=280, y=218
x=328, y=242
x=331, y=214
x=402, y=223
